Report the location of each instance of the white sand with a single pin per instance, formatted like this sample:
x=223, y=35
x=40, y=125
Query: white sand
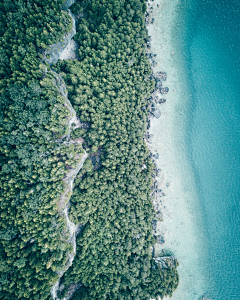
x=181, y=213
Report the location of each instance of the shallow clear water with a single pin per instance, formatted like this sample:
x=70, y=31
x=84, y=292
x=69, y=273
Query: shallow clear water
x=209, y=37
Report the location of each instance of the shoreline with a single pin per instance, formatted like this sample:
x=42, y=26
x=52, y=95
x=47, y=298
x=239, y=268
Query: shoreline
x=178, y=201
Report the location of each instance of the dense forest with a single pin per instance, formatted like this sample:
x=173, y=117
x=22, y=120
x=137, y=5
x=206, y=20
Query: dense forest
x=109, y=87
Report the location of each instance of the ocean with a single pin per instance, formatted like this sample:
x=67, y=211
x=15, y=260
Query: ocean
x=208, y=34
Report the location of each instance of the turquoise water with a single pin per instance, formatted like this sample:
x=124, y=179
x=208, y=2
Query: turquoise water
x=209, y=36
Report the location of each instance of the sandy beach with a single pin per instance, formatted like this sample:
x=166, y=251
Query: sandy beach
x=178, y=200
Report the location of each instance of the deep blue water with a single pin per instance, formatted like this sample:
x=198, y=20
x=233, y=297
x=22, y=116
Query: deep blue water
x=209, y=34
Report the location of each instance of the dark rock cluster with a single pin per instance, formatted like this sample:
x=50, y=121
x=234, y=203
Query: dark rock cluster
x=159, y=77
x=148, y=138
x=160, y=239
x=157, y=100
x=148, y=15
x=156, y=113
x=154, y=225
x=158, y=84
x=164, y=90
x=162, y=76
x=158, y=172
x=162, y=101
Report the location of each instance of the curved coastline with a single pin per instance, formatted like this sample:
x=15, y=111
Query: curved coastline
x=182, y=226
x=119, y=231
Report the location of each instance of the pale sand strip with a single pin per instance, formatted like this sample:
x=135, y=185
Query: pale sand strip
x=176, y=180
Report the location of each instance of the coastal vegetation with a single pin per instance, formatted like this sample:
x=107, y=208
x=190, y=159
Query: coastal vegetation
x=108, y=86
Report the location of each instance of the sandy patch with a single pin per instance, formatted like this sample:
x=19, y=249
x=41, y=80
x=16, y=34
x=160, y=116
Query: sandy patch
x=178, y=201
